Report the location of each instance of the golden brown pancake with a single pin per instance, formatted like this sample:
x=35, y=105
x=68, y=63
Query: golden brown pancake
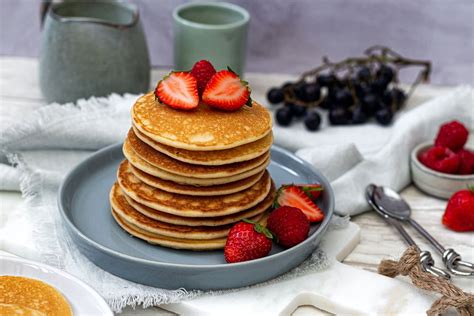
x=169, y=242
x=166, y=163
x=202, y=129
x=15, y=310
x=26, y=296
x=191, y=206
x=177, y=243
x=212, y=158
x=146, y=167
x=204, y=221
x=173, y=187
x=131, y=216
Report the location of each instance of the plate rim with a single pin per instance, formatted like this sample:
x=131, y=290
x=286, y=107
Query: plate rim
x=322, y=227
x=99, y=300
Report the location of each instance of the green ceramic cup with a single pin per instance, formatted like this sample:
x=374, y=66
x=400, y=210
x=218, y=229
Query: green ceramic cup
x=92, y=48
x=213, y=31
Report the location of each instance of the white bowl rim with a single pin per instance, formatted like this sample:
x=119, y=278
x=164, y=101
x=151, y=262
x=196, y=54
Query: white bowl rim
x=99, y=300
x=417, y=162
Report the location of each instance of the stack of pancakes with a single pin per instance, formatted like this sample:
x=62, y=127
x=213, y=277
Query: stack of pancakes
x=189, y=175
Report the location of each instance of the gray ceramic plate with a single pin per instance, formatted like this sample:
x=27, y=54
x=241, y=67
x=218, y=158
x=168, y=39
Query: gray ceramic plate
x=84, y=206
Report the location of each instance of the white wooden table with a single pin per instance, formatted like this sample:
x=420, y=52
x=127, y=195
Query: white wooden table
x=20, y=93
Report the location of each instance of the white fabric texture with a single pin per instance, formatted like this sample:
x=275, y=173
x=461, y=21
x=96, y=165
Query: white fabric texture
x=46, y=144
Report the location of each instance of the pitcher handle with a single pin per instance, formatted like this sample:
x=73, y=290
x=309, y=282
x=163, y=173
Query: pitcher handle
x=44, y=8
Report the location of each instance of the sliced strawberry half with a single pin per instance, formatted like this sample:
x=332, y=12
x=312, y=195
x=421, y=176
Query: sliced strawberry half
x=292, y=195
x=226, y=91
x=178, y=90
x=312, y=190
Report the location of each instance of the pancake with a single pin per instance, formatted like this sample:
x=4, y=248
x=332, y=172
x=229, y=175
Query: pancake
x=166, y=163
x=189, y=244
x=26, y=296
x=188, y=205
x=173, y=187
x=15, y=310
x=131, y=216
x=204, y=221
x=144, y=166
x=203, y=128
x=211, y=158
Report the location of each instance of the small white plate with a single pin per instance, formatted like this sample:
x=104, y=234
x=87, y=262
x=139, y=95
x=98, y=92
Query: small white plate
x=83, y=299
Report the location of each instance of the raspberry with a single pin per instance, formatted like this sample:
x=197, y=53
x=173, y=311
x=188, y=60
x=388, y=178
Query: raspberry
x=467, y=162
x=452, y=135
x=289, y=224
x=202, y=71
x=440, y=159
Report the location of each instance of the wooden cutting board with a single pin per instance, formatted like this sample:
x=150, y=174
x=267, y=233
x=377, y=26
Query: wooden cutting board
x=339, y=289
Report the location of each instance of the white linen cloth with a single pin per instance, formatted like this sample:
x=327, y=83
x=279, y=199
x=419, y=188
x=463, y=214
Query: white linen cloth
x=46, y=144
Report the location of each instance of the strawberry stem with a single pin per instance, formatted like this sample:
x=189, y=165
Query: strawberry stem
x=260, y=228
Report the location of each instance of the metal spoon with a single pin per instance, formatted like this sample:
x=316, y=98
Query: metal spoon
x=426, y=260
x=392, y=204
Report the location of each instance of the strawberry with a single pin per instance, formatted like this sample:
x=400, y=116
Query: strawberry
x=289, y=225
x=226, y=91
x=178, y=90
x=467, y=161
x=312, y=190
x=459, y=213
x=203, y=71
x=247, y=241
x=292, y=195
x=440, y=159
x=452, y=135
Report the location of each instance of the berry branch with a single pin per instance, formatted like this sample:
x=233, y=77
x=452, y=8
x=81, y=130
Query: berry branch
x=353, y=89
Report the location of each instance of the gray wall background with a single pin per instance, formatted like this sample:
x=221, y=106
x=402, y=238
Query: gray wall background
x=291, y=36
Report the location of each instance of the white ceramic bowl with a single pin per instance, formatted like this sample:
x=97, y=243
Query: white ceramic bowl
x=435, y=183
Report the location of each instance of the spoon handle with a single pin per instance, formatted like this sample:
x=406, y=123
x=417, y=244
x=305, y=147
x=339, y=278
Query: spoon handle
x=426, y=260
x=427, y=235
x=402, y=232
x=451, y=258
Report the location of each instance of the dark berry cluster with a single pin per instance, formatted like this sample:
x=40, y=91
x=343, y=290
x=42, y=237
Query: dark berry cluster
x=353, y=91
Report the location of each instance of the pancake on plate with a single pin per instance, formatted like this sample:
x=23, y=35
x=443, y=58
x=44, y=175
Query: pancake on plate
x=131, y=216
x=188, y=205
x=173, y=187
x=203, y=128
x=261, y=207
x=25, y=296
x=146, y=167
x=208, y=158
x=166, y=163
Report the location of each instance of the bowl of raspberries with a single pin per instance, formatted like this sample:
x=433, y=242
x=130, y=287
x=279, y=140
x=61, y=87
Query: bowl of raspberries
x=445, y=166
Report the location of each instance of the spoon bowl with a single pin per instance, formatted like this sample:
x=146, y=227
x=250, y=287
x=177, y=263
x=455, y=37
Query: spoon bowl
x=391, y=203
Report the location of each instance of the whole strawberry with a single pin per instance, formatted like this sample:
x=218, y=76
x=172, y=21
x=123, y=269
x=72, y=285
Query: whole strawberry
x=289, y=225
x=452, y=135
x=440, y=159
x=247, y=241
x=203, y=71
x=459, y=213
